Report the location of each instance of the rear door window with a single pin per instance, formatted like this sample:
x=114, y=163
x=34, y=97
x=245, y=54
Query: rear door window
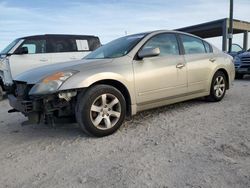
x=192, y=45
x=34, y=46
x=62, y=45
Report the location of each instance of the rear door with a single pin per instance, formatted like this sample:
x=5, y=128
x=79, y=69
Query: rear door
x=65, y=48
x=37, y=56
x=198, y=59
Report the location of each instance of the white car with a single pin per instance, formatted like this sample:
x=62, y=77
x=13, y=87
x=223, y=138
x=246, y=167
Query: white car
x=31, y=52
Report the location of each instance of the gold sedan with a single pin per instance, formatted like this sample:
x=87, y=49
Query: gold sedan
x=123, y=77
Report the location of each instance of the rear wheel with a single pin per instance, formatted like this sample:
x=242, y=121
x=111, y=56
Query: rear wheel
x=101, y=110
x=239, y=76
x=218, y=87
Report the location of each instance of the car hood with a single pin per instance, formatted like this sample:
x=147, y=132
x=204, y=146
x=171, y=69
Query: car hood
x=33, y=76
x=245, y=54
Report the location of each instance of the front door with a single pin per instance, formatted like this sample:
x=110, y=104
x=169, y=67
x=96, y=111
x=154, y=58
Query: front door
x=35, y=57
x=163, y=76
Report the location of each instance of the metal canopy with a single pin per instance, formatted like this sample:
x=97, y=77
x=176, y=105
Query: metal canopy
x=219, y=28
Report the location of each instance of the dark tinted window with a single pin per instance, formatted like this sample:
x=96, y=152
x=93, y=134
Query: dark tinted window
x=34, y=46
x=166, y=42
x=94, y=43
x=207, y=47
x=192, y=45
x=62, y=45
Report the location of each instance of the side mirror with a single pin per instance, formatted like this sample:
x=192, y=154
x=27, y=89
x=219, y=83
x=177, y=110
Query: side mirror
x=23, y=50
x=148, y=52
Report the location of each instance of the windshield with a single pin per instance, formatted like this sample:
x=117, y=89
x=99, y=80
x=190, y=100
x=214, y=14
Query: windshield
x=9, y=47
x=116, y=48
x=236, y=48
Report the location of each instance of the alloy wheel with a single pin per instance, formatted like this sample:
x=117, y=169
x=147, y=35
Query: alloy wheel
x=219, y=86
x=105, y=111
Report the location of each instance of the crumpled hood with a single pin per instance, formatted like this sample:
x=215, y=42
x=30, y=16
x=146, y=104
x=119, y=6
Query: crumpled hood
x=35, y=75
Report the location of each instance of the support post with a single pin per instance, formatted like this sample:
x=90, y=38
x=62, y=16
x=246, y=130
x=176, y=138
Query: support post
x=224, y=36
x=245, y=41
x=230, y=38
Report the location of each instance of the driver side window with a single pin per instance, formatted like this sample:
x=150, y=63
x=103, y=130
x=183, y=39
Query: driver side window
x=35, y=46
x=167, y=43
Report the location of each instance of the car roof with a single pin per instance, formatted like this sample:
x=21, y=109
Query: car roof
x=165, y=31
x=60, y=35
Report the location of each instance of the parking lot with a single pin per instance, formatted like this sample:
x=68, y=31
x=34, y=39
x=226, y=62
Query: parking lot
x=189, y=144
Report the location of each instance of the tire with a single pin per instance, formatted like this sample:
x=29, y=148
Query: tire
x=218, y=87
x=239, y=76
x=101, y=110
x=1, y=93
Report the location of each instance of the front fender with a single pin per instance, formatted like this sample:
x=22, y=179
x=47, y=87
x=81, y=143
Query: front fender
x=84, y=81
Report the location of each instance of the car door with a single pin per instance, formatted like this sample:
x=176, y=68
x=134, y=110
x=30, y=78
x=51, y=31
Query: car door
x=37, y=56
x=198, y=61
x=66, y=48
x=163, y=76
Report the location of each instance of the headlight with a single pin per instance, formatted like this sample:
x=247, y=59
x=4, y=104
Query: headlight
x=236, y=59
x=51, y=83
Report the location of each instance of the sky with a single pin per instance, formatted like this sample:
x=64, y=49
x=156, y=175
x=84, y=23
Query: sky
x=110, y=19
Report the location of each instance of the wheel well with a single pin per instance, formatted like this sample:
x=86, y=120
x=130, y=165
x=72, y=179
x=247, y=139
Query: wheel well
x=227, y=77
x=118, y=85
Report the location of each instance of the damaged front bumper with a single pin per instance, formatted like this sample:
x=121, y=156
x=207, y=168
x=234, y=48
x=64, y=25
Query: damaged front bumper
x=42, y=109
x=31, y=109
x=24, y=106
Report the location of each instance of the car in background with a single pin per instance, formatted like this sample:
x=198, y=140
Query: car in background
x=241, y=61
x=236, y=50
x=126, y=76
x=26, y=53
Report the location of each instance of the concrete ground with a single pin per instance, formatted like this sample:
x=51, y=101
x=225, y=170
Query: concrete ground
x=190, y=144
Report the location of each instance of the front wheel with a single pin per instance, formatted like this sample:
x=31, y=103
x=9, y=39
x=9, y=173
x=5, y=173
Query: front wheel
x=218, y=87
x=100, y=110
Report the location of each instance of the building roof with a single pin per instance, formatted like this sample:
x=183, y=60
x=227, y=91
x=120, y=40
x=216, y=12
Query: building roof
x=215, y=28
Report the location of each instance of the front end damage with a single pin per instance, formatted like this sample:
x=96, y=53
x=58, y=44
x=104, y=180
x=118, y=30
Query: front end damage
x=5, y=72
x=47, y=109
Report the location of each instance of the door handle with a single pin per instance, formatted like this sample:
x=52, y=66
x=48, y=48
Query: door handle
x=44, y=60
x=212, y=60
x=73, y=58
x=180, y=65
